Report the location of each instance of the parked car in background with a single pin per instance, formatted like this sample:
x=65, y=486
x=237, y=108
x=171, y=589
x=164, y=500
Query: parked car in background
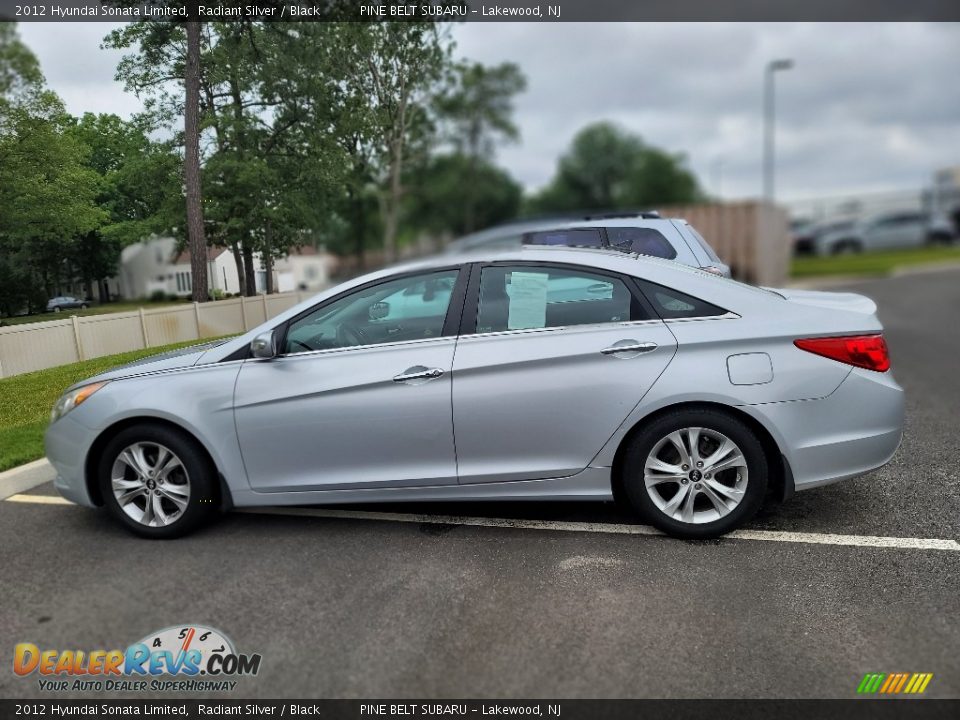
x=65, y=302
x=644, y=233
x=805, y=237
x=885, y=232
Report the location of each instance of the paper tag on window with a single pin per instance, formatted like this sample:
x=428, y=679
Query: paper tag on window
x=528, y=300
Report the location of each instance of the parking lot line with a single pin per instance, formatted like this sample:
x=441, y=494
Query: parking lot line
x=872, y=541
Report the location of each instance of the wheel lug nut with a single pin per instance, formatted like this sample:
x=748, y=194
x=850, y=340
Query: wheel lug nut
x=696, y=485
x=684, y=481
x=699, y=463
x=686, y=467
x=156, y=492
x=707, y=475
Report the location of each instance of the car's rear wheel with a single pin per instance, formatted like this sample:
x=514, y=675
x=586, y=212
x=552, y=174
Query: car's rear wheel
x=157, y=481
x=56, y=309
x=696, y=473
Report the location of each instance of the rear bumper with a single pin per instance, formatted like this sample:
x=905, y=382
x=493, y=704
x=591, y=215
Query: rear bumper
x=67, y=443
x=854, y=430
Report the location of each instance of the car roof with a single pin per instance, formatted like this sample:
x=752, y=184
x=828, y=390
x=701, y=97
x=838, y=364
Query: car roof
x=559, y=223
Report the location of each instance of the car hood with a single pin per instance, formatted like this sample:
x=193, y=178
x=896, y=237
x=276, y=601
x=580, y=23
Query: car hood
x=183, y=357
x=851, y=302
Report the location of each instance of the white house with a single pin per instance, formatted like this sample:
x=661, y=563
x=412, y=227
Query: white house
x=154, y=265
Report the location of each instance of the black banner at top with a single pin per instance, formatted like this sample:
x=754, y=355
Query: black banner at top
x=478, y=10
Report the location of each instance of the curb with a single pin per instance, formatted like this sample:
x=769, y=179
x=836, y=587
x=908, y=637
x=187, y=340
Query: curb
x=25, y=477
x=815, y=282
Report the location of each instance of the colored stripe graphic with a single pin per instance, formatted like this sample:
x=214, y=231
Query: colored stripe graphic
x=894, y=683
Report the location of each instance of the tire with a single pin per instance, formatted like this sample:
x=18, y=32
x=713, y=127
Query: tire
x=185, y=485
x=697, y=499
x=83, y=306
x=57, y=309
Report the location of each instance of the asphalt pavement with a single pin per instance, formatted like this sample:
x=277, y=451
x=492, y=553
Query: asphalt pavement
x=360, y=608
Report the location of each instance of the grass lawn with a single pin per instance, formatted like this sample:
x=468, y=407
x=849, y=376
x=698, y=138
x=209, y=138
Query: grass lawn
x=26, y=401
x=114, y=307
x=871, y=263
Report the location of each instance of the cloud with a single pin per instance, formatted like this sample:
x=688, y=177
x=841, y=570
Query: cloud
x=868, y=106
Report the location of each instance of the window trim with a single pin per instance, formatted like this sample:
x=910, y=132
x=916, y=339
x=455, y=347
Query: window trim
x=471, y=309
x=450, y=324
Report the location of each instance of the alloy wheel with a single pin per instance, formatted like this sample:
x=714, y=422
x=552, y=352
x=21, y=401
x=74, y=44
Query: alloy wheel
x=150, y=484
x=695, y=475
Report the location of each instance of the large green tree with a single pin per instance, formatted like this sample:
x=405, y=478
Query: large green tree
x=478, y=113
x=610, y=168
x=47, y=191
x=139, y=190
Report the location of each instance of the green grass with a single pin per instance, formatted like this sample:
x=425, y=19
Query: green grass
x=871, y=263
x=26, y=400
x=94, y=310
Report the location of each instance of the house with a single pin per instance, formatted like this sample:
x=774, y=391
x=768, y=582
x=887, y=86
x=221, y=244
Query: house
x=306, y=268
x=154, y=266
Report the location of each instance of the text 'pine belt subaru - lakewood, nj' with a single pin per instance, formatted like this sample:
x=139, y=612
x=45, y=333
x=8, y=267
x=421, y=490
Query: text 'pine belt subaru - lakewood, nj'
x=536, y=373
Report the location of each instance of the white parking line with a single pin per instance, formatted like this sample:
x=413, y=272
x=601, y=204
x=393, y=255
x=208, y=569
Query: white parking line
x=872, y=541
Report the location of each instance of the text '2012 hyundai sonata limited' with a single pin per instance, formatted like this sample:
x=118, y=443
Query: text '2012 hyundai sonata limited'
x=534, y=374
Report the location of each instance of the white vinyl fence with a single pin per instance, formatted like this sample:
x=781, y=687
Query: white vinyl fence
x=35, y=346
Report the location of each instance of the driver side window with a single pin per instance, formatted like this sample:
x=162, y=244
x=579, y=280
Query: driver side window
x=408, y=308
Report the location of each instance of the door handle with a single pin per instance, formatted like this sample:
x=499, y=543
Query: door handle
x=624, y=346
x=418, y=372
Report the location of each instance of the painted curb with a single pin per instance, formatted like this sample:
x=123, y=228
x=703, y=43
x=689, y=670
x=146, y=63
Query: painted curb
x=25, y=477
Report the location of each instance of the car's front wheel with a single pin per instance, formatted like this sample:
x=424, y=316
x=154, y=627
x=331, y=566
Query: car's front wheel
x=696, y=473
x=157, y=481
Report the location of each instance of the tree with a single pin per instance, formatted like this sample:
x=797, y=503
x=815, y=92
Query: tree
x=479, y=110
x=191, y=164
x=140, y=191
x=47, y=193
x=609, y=168
x=436, y=200
x=397, y=68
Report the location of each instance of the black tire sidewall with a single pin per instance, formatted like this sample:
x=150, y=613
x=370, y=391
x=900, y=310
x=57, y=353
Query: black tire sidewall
x=202, y=486
x=737, y=431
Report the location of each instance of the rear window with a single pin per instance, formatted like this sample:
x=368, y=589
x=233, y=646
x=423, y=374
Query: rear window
x=704, y=244
x=572, y=237
x=672, y=304
x=645, y=241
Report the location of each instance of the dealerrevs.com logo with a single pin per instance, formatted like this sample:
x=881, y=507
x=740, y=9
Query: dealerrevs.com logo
x=181, y=658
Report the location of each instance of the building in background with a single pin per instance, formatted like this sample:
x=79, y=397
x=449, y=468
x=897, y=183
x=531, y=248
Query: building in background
x=154, y=266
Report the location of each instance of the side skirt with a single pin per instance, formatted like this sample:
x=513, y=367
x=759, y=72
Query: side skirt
x=589, y=484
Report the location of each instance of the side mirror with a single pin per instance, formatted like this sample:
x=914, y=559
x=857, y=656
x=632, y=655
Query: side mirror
x=264, y=346
x=380, y=310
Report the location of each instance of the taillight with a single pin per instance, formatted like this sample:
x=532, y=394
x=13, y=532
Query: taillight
x=863, y=351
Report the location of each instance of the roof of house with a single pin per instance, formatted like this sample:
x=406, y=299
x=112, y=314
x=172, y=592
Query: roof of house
x=185, y=257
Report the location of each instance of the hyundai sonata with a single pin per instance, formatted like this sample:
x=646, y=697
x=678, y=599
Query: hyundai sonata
x=536, y=374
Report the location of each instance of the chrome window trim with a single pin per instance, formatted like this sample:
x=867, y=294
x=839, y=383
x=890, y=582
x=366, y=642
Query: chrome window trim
x=726, y=316
x=586, y=326
x=354, y=348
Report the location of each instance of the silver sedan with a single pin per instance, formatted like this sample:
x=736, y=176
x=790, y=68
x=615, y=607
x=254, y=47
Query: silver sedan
x=535, y=374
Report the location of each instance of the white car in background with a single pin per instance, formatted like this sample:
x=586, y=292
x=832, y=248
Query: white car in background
x=644, y=233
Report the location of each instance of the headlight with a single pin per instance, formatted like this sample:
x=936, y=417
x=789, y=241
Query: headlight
x=69, y=400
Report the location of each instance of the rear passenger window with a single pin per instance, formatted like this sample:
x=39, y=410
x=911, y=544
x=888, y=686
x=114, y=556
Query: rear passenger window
x=672, y=304
x=572, y=237
x=645, y=241
x=521, y=298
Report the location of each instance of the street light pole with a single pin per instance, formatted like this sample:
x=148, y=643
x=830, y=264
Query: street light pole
x=769, y=112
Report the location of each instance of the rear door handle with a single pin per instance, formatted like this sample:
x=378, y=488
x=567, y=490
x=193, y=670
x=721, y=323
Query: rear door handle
x=629, y=346
x=418, y=372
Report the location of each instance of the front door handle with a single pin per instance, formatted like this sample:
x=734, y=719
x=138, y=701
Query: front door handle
x=418, y=372
x=629, y=346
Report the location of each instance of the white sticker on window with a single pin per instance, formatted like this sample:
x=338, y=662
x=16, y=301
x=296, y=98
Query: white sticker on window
x=528, y=300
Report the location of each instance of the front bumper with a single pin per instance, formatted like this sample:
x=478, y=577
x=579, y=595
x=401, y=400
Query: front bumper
x=854, y=430
x=67, y=443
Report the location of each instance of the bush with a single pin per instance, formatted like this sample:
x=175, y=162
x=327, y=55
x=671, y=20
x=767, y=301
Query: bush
x=158, y=296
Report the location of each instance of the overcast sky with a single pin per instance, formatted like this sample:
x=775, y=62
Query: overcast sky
x=867, y=107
